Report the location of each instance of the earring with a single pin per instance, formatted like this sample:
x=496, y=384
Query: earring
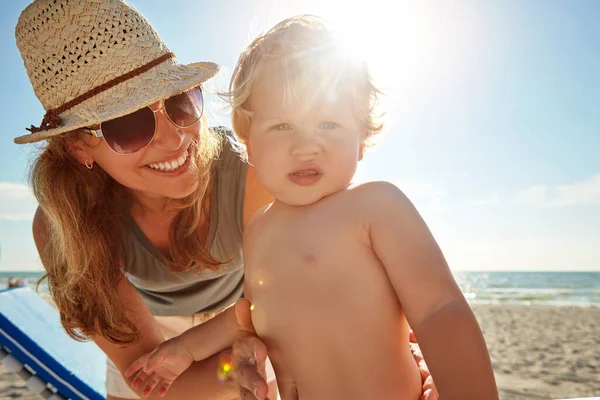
x=90, y=165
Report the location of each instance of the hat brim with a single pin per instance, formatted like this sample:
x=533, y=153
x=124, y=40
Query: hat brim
x=160, y=82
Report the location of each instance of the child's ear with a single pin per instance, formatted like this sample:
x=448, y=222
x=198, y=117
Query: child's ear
x=361, y=151
x=249, y=153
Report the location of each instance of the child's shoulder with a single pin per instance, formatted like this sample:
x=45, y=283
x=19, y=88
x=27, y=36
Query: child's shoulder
x=256, y=219
x=376, y=190
x=380, y=196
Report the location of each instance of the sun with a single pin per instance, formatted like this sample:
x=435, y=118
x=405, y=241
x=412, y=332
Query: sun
x=404, y=43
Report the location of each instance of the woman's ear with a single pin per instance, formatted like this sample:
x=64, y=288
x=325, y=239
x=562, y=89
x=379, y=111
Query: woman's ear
x=78, y=149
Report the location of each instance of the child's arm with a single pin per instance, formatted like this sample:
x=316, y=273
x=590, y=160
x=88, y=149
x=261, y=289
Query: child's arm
x=450, y=338
x=172, y=357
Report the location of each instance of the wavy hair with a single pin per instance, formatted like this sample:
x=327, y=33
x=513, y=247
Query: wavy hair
x=316, y=64
x=85, y=245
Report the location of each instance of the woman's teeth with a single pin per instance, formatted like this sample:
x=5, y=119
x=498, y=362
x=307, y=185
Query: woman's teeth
x=170, y=165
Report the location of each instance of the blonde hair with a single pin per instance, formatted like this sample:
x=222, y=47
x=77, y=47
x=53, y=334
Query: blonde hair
x=85, y=247
x=315, y=64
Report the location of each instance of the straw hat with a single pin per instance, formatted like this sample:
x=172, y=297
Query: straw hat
x=94, y=60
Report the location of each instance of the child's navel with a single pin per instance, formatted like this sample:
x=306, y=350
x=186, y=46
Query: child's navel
x=309, y=259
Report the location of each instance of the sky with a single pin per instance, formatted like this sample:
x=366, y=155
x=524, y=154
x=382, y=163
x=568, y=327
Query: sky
x=492, y=116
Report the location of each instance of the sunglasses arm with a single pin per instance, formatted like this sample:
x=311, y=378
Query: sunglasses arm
x=92, y=132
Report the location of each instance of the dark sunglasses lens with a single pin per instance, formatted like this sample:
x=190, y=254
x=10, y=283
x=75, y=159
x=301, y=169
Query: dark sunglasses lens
x=131, y=132
x=185, y=109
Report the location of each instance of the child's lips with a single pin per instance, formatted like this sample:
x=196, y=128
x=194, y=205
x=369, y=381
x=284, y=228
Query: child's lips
x=306, y=172
x=305, y=177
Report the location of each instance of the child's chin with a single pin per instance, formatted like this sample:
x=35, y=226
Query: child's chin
x=298, y=201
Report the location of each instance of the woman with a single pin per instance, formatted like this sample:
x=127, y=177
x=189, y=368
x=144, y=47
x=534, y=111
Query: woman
x=142, y=206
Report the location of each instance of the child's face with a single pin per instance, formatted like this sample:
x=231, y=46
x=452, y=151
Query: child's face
x=302, y=150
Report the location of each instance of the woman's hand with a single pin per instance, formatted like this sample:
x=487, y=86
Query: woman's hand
x=429, y=390
x=249, y=357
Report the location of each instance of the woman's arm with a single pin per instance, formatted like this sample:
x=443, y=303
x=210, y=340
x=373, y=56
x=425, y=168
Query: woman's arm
x=174, y=356
x=448, y=332
x=200, y=381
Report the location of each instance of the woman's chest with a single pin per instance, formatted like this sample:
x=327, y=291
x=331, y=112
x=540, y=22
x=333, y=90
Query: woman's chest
x=157, y=231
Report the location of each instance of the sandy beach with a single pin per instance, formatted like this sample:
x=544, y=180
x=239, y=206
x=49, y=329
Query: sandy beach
x=538, y=352
x=543, y=352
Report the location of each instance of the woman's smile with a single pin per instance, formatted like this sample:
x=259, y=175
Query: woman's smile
x=172, y=167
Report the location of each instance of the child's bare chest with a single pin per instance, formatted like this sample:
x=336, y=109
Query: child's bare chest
x=315, y=260
x=312, y=282
x=315, y=246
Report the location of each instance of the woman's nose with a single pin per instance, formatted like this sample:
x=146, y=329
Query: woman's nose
x=168, y=135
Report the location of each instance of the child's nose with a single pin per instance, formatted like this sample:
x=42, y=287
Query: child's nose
x=306, y=145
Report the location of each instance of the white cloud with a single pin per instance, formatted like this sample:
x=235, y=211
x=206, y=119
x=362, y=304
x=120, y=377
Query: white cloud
x=584, y=192
x=16, y=202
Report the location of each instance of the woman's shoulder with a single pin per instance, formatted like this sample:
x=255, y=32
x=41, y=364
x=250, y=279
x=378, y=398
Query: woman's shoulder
x=221, y=130
x=255, y=195
x=230, y=156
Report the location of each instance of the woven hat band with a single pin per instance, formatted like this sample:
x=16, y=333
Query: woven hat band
x=52, y=120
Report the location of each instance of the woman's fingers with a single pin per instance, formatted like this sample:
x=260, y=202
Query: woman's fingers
x=245, y=394
x=249, y=378
x=249, y=356
x=248, y=346
x=411, y=336
x=244, y=316
x=429, y=390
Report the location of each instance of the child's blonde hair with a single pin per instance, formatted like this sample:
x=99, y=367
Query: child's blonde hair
x=315, y=65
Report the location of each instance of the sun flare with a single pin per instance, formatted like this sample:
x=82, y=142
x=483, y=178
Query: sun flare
x=404, y=43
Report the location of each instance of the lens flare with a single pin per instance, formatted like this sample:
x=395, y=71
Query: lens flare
x=224, y=371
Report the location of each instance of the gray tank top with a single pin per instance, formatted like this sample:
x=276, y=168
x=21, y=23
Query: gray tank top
x=169, y=293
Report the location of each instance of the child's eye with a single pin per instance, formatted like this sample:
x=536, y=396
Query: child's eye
x=328, y=125
x=282, y=127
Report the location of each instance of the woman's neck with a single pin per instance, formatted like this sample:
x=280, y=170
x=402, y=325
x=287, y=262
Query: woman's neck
x=145, y=206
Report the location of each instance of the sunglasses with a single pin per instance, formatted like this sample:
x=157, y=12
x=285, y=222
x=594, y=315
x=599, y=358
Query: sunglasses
x=133, y=132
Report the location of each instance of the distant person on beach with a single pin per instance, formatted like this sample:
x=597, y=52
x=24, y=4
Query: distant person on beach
x=142, y=207
x=16, y=282
x=358, y=262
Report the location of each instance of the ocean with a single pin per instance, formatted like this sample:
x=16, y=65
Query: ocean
x=485, y=287
x=524, y=287
x=29, y=277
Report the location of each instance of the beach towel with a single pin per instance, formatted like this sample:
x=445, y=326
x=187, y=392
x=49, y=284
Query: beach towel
x=34, y=344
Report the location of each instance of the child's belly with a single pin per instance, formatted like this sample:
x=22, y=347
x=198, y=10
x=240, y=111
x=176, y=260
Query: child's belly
x=335, y=332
